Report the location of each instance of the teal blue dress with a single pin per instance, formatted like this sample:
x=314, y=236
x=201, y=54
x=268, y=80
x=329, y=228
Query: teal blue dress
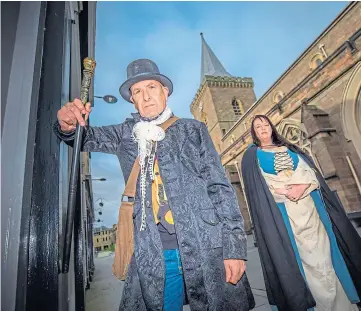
x=274, y=162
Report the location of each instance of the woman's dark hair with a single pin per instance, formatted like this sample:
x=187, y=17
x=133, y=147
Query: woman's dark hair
x=277, y=139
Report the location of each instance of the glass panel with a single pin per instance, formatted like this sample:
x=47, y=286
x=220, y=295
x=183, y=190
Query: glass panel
x=318, y=62
x=63, y=153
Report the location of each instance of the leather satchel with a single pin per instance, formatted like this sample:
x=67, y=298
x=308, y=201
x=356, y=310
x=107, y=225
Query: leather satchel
x=124, y=243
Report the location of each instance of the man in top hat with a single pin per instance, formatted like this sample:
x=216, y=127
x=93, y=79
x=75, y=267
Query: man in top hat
x=189, y=240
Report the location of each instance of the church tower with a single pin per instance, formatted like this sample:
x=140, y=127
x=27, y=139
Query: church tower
x=221, y=98
x=220, y=101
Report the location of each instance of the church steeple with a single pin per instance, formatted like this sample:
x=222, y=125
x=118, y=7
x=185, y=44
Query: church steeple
x=211, y=66
x=221, y=98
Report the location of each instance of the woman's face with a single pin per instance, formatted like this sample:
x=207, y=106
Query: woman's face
x=263, y=130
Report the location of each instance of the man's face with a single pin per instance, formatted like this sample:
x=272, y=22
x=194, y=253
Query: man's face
x=149, y=97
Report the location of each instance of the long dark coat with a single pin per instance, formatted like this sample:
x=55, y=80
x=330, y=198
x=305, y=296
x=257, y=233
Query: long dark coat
x=207, y=218
x=285, y=285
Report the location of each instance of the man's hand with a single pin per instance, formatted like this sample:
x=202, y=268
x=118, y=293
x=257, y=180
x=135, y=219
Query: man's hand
x=295, y=192
x=71, y=113
x=234, y=270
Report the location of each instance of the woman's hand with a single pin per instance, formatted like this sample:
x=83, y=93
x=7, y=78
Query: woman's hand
x=282, y=191
x=295, y=192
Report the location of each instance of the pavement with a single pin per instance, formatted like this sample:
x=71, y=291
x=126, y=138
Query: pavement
x=106, y=290
x=255, y=277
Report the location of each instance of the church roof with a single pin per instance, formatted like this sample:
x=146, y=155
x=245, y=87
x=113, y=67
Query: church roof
x=211, y=66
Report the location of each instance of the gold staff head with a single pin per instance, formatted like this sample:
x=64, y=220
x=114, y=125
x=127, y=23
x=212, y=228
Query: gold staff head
x=89, y=64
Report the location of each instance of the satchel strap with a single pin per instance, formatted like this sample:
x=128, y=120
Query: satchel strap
x=131, y=186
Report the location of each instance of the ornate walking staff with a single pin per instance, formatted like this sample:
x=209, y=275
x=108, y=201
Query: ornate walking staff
x=88, y=73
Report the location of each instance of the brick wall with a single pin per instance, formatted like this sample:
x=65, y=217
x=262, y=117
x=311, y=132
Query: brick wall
x=222, y=99
x=330, y=101
x=217, y=105
x=223, y=116
x=327, y=147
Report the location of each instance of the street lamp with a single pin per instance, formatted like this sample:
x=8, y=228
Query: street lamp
x=109, y=99
x=88, y=177
x=101, y=201
x=101, y=204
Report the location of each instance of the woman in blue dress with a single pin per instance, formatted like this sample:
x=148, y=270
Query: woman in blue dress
x=310, y=252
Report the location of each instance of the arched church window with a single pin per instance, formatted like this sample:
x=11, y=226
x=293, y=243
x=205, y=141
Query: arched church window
x=316, y=61
x=277, y=97
x=237, y=107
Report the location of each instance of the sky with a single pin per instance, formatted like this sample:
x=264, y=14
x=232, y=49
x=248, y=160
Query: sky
x=251, y=39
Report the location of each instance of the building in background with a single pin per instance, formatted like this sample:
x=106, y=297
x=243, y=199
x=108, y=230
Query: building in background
x=315, y=104
x=103, y=238
x=42, y=47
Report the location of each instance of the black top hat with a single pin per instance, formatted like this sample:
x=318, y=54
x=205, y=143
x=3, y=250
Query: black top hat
x=140, y=70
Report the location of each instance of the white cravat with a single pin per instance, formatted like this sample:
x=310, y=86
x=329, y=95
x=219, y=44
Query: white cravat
x=145, y=133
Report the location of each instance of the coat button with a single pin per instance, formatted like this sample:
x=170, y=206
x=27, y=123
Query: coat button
x=148, y=204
